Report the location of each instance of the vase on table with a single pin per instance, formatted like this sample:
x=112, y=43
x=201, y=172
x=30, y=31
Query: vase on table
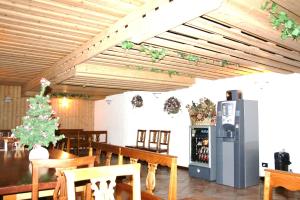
x=38, y=152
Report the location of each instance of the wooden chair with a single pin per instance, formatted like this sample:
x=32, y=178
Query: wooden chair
x=4, y=134
x=278, y=178
x=96, y=136
x=58, y=164
x=72, y=137
x=153, y=140
x=103, y=175
x=164, y=140
x=140, y=139
x=61, y=144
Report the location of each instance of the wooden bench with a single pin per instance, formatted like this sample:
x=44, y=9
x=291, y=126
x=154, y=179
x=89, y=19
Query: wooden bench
x=153, y=160
x=278, y=178
x=78, y=139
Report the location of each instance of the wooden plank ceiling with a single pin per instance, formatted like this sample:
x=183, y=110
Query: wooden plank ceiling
x=77, y=44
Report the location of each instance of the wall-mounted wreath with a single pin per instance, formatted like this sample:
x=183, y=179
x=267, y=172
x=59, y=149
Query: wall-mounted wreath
x=172, y=105
x=137, y=101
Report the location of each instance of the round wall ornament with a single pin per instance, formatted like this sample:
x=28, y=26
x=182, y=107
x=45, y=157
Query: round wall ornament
x=137, y=101
x=172, y=105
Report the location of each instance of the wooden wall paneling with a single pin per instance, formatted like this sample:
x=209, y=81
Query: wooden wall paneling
x=11, y=113
x=79, y=114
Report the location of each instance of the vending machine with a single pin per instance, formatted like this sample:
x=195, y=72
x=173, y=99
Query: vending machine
x=203, y=152
x=237, y=143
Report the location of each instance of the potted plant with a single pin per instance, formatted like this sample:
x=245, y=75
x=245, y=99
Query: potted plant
x=39, y=125
x=202, y=113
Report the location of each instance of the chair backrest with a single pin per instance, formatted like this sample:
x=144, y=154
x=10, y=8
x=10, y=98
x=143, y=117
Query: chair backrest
x=71, y=136
x=56, y=163
x=164, y=140
x=96, y=136
x=103, y=175
x=5, y=133
x=141, y=138
x=278, y=178
x=153, y=139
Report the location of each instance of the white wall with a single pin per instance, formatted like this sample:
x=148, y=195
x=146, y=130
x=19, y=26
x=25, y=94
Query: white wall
x=278, y=108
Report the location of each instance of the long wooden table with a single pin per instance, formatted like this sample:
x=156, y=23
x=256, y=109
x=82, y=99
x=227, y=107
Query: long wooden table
x=15, y=171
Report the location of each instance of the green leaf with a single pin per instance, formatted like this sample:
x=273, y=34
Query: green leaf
x=172, y=72
x=192, y=58
x=274, y=8
x=264, y=5
x=224, y=63
x=284, y=34
x=296, y=32
x=127, y=45
x=275, y=22
x=139, y=67
x=289, y=24
x=282, y=17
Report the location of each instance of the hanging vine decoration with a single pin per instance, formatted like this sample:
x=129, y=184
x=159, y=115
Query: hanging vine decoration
x=189, y=57
x=70, y=95
x=137, y=101
x=158, y=54
x=172, y=72
x=196, y=59
x=280, y=20
x=155, y=53
x=172, y=105
x=224, y=63
x=127, y=45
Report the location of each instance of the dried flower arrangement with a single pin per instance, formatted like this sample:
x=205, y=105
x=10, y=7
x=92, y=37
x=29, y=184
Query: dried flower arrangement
x=202, y=113
x=172, y=105
x=137, y=101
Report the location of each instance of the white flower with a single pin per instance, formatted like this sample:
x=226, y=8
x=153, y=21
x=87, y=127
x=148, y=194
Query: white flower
x=45, y=82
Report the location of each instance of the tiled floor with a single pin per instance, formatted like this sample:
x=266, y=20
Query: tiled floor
x=190, y=188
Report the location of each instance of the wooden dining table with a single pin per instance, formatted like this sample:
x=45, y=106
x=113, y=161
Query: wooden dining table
x=15, y=171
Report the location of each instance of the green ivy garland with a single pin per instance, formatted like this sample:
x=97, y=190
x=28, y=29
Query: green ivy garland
x=70, y=95
x=158, y=54
x=280, y=20
x=127, y=45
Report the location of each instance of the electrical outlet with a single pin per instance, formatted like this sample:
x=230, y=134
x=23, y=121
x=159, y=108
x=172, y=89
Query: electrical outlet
x=264, y=164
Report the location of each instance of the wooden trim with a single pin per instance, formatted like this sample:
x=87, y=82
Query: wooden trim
x=278, y=178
